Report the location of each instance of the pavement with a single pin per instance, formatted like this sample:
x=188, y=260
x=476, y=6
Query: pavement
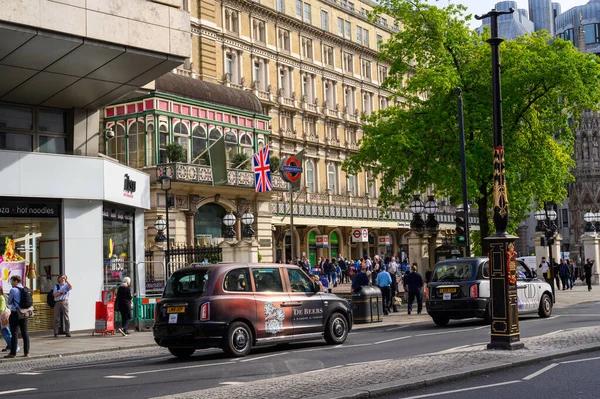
x=45, y=345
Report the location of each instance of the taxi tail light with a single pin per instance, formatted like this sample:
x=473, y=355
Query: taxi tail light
x=474, y=291
x=426, y=292
x=205, y=311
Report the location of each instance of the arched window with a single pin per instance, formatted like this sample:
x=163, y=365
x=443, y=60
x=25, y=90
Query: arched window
x=163, y=134
x=182, y=136
x=198, y=142
x=150, y=144
x=215, y=134
x=352, y=185
x=310, y=177
x=231, y=147
x=332, y=178
x=136, y=144
x=121, y=143
x=246, y=144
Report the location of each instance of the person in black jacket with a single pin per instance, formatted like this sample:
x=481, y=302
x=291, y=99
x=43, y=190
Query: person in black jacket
x=123, y=303
x=360, y=280
x=587, y=268
x=413, y=283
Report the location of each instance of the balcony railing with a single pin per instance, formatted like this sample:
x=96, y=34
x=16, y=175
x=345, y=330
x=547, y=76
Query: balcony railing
x=187, y=173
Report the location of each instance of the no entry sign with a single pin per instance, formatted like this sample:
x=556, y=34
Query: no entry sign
x=291, y=169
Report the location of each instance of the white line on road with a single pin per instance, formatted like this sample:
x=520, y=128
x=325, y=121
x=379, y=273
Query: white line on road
x=354, y=345
x=539, y=372
x=263, y=357
x=390, y=340
x=579, y=315
x=18, y=391
x=179, y=368
x=231, y=383
x=551, y=333
x=551, y=317
x=120, y=377
x=398, y=328
x=462, y=390
x=376, y=361
x=450, y=350
x=29, y=373
x=449, y=332
x=325, y=369
x=481, y=328
x=580, y=360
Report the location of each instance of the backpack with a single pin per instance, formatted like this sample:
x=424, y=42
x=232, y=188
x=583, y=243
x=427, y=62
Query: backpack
x=26, y=298
x=50, y=300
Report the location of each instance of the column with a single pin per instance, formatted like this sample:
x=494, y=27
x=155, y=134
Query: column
x=264, y=231
x=418, y=249
x=591, y=250
x=189, y=223
x=540, y=251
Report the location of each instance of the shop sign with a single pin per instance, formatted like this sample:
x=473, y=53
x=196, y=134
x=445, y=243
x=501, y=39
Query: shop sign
x=264, y=242
x=128, y=186
x=322, y=242
x=24, y=209
x=384, y=241
x=360, y=235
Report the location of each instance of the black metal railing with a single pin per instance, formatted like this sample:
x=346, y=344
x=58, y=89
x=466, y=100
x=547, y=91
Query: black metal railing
x=185, y=256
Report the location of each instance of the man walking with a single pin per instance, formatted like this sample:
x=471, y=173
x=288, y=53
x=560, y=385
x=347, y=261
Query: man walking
x=383, y=282
x=392, y=270
x=360, y=280
x=14, y=300
x=414, y=283
x=563, y=272
x=571, y=271
x=123, y=302
x=587, y=268
x=61, y=307
x=544, y=267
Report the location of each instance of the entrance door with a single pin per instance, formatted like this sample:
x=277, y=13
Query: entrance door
x=273, y=309
x=307, y=305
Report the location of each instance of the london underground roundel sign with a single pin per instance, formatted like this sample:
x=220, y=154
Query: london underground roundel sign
x=291, y=169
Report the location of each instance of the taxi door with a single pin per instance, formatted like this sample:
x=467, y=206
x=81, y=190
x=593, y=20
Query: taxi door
x=273, y=308
x=308, y=314
x=526, y=290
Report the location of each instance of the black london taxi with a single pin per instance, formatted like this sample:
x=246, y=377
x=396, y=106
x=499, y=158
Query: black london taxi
x=235, y=306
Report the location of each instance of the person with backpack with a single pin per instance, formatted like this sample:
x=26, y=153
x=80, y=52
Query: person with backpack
x=61, y=305
x=18, y=298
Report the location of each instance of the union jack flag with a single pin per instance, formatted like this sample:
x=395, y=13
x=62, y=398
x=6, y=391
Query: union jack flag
x=262, y=170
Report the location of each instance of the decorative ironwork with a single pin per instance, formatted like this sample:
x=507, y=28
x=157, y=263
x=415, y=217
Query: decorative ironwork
x=185, y=256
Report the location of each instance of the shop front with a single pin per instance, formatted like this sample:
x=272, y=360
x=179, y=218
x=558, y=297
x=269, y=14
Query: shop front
x=75, y=215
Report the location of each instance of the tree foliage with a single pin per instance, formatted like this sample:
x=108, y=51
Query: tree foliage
x=546, y=84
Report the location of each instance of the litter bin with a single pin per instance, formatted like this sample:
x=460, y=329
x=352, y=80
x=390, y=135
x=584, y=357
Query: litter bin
x=367, y=305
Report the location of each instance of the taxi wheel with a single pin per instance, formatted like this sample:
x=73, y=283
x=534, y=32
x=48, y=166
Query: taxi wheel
x=239, y=340
x=336, y=331
x=545, y=306
x=441, y=321
x=182, y=353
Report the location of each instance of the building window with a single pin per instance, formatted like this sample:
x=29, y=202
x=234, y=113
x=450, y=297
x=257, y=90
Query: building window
x=329, y=93
x=120, y=143
x=231, y=21
x=366, y=69
x=383, y=103
x=328, y=55
x=348, y=30
x=163, y=137
x=367, y=103
x=259, y=31
x=307, y=48
x=136, y=144
x=352, y=185
x=310, y=177
x=379, y=42
x=564, y=217
x=365, y=40
x=299, y=9
x=567, y=35
x=308, y=82
x=383, y=73
x=283, y=39
x=332, y=178
x=359, y=35
x=307, y=13
x=285, y=81
x=331, y=132
x=198, y=142
x=348, y=63
x=232, y=67
x=259, y=74
x=351, y=136
x=324, y=20
x=371, y=185
x=340, y=23
x=181, y=133
x=285, y=121
x=310, y=126
x=231, y=146
x=591, y=33
x=349, y=99
x=383, y=21
x=281, y=5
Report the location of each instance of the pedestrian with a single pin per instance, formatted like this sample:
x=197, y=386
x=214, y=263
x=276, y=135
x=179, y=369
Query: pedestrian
x=343, y=269
x=334, y=273
x=428, y=275
x=563, y=272
x=61, y=305
x=384, y=281
x=405, y=265
x=557, y=277
x=544, y=267
x=392, y=270
x=571, y=271
x=123, y=302
x=4, y=324
x=414, y=284
x=587, y=268
x=360, y=280
x=316, y=279
x=16, y=324
x=324, y=283
x=327, y=269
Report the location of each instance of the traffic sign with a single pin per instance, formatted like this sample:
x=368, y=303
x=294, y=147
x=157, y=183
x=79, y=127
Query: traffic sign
x=291, y=169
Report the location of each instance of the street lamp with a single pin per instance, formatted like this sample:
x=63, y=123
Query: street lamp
x=160, y=226
x=416, y=207
x=229, y=220
x=431, y=208
x=591, y=219
x=165, y=185
x=546, y=225
x=247, y=220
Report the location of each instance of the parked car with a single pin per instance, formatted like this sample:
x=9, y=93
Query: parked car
x=460, y=289
x=236, y=306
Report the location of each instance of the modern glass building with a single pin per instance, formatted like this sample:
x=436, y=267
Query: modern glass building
x=513, y=25
x=541, y=13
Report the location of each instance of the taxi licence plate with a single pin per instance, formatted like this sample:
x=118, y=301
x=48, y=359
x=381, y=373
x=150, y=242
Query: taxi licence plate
x=447, y=290
x=176, y=309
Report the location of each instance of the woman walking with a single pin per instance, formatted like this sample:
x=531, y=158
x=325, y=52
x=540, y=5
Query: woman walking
x=124, y=305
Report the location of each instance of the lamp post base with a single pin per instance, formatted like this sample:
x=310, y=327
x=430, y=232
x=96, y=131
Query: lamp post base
x=500, y=343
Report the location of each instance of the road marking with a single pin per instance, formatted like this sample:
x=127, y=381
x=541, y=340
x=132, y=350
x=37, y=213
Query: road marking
x=106, y=363
x=231, y=383
x=362, y=363
x=398, y=328
x=579, y=315
x=354, y=345
x=451, y=350
x=462, y=390
x=263, y=357
x=18, y=391
x=539, y=372
x=449, y=332
x=120, y=377
x=180, y=368
x=390, y=340
x=551, y=333
x=551, y=318
x=320, y=370
x=580, y=360
x=481, y=328
x=29, y=373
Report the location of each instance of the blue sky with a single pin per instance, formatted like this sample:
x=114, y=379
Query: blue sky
x=483, y=6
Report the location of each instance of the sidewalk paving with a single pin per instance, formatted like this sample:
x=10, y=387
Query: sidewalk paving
x=44, y=345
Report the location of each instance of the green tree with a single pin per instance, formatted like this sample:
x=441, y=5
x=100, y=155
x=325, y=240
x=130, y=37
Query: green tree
x=546, y=84
x=176, y=153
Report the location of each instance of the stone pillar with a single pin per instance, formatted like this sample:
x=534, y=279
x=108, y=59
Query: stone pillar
x=264, y=230
x=591, y=249
x=540, y=251
x=418, y=249
x=228, y=248
x=189, y=222
x=556, y=254
x=238, y=228
x=246, y=251
x=159, y=266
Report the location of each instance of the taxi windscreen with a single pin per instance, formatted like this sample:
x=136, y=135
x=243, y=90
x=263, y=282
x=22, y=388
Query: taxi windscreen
x=452, y=272
x=187, y=283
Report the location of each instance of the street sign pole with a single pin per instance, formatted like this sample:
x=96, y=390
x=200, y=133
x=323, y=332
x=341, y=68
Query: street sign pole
x=292, y=219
